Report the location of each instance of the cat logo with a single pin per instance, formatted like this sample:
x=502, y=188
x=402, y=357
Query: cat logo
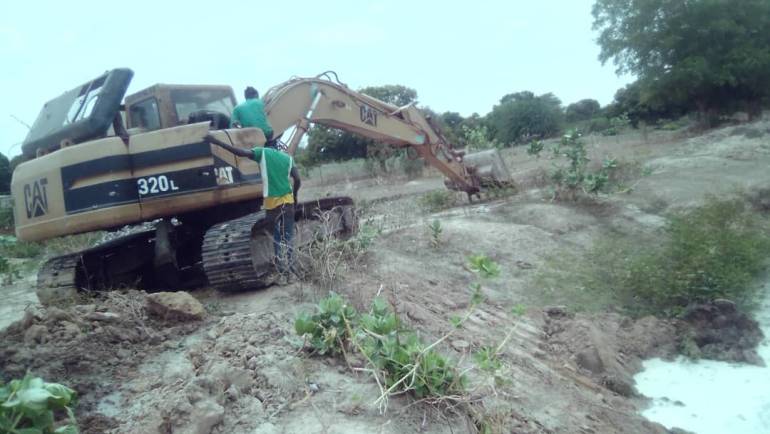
x=35, y=198
x=368, y=115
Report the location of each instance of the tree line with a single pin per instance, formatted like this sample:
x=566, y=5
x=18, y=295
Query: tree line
x=702, y=58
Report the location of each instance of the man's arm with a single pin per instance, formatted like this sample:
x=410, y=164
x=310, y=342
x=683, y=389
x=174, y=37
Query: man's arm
x=237, y=151
x=235, y=119
x=297, y=182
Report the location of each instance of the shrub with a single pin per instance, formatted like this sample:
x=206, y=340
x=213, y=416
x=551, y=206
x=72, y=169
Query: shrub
x=32, y=406
x=576, y=177
x=437, y=200
x=714, y=251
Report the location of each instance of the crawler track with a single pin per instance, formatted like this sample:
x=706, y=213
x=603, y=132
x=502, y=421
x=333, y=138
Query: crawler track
x=237, y=254
x=227, y=256
x=57, y=279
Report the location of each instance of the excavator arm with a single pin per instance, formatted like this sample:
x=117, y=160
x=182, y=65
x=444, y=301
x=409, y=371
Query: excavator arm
x=300, y=102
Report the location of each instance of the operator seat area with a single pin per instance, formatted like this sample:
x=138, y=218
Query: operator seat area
x=217, y=120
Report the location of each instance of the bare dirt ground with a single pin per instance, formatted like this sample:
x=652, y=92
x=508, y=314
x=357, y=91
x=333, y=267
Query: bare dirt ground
x=242, y=369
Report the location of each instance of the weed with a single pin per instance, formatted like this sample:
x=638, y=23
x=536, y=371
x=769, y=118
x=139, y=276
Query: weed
x=488, y=359
x=327, y=329
x=327, y=256
x=434, y=231
x=437, y=200
x=484, y=266
x=30, y=406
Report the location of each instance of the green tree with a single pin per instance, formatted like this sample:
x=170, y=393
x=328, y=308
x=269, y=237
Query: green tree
x=5, y=175
x=582, y=110
x=521, y=116
x=330, y=144
x=395, y=94
x=708, y=55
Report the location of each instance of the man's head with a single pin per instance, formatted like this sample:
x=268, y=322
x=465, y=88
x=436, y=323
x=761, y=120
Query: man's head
x=250, y=93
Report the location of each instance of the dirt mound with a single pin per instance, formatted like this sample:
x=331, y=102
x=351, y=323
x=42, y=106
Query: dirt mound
x=722, y=332
x=89, y=347
x=234, y=377
x=609, y=347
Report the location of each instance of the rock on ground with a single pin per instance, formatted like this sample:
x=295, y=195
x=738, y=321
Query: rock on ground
x=175, y=306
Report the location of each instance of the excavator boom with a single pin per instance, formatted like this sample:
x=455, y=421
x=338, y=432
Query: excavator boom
x=321, y=100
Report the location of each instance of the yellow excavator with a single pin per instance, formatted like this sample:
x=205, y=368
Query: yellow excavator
x=181, y=211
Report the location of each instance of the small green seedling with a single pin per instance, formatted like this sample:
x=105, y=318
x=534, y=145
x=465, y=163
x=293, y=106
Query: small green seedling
x=483, y=265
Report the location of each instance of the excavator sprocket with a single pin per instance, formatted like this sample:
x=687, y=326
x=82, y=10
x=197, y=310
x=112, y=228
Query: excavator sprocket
x=238, y=254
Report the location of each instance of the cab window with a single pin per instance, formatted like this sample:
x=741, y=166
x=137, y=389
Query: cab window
x=145, y=114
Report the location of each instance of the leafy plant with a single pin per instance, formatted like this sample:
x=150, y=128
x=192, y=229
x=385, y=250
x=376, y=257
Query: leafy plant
x=32, y=406
x=327, y=329
x=484, y=266
x=435, y=230
x=576, y=176
x=398, y=359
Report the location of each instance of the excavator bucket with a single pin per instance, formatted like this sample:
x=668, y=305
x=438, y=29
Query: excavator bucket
x=489, y=168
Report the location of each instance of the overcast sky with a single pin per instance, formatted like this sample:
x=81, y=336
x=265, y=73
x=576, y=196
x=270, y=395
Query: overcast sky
x=460, y=56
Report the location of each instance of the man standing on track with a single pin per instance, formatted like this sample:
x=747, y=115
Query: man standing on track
x=279, y=198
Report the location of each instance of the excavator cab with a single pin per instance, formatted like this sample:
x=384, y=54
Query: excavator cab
x=167, y=106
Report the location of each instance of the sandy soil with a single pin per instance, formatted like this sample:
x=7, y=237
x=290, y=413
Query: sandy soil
x=243, y=370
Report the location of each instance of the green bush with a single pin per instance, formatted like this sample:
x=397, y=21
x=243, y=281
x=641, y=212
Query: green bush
x=437, y=200
x=31, y=406
x=21, y=249
x=718, y=250
x=714, y=251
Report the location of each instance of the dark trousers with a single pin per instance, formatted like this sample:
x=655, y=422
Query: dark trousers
x=282, y=220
